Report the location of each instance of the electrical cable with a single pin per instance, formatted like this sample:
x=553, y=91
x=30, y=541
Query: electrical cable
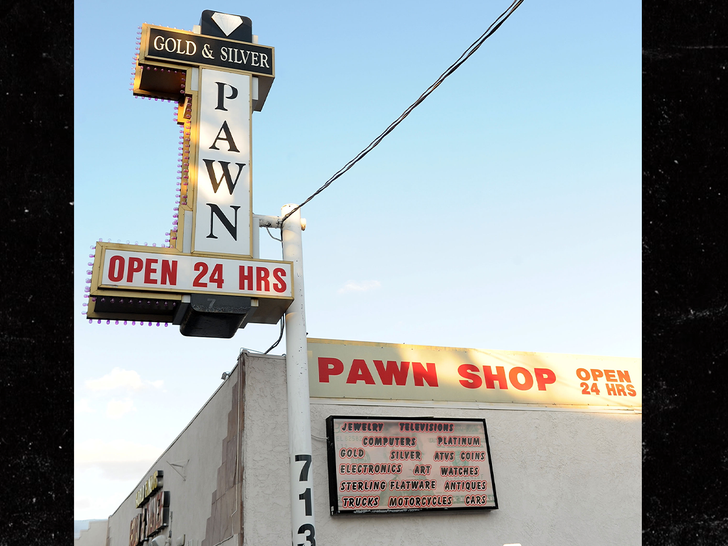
x=283, y=322
x=271, y=235
x=464, y=57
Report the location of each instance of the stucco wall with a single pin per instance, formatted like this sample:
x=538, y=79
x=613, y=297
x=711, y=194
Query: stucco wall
x=266, y=499
x=200, y=486
x=562, y=477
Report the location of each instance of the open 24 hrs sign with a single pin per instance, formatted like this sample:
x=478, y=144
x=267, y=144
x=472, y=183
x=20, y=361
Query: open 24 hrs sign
x=158, y=269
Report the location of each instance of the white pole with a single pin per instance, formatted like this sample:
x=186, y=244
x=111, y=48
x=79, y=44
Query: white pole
x=303, y=530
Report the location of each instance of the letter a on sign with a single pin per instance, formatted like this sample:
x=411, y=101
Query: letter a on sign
x=223, y=214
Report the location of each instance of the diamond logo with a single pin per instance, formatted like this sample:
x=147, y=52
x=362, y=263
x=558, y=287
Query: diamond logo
x=227, y=23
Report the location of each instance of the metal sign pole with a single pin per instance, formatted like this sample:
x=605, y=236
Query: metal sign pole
x=303, y=531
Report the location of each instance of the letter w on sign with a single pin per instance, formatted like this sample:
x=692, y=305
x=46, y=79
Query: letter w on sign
x=225, y=167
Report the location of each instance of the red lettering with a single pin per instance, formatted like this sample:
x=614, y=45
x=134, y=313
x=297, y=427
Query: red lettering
x=469, y=372
x=359, y=372
x=261, y=278
x=631, y=391
x=621, y=375
x=514, y=374
x=391, y=371
x=280, y=285
x=201, y=268
x=544, y=377
x=620, y=390
x=149, y=271
x=428, y=374
x=611, y=391
x=116, y=268
x=216, y=276
x=246, y=277
x=490, y=379
x=135, y=266
x=169, y=272
x=328, y=366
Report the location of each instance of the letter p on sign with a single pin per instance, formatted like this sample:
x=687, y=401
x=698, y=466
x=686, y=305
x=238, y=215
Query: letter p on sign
x=544, y=377
x=329, y=366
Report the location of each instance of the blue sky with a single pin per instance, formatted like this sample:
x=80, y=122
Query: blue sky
x=503, y=213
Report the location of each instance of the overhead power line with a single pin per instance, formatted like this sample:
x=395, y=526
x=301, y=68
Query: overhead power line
x=452, y=68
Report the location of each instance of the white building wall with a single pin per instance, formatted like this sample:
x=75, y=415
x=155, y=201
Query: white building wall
x=562, y=477
x=195, y=486
x=266, y=510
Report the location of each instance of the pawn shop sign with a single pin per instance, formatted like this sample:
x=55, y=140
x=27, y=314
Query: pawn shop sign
x=208, y=280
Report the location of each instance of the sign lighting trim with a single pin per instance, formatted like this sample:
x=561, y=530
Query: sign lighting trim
x=408, y=464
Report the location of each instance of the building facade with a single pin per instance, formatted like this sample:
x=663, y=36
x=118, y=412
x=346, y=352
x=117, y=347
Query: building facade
x=567, y=474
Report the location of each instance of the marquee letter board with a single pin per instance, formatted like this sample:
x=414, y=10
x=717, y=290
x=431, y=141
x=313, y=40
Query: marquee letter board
x=402, y=464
